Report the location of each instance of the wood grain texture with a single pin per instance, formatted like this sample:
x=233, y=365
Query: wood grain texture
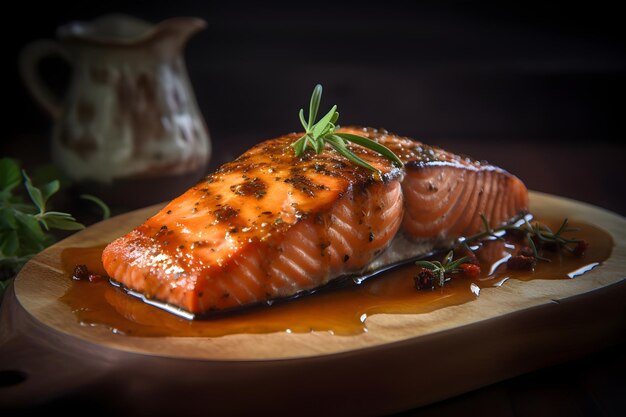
x=507, y=331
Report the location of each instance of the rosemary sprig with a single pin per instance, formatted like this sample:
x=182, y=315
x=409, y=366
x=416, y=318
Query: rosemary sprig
x=546, y=237
x=439, y=272
x=317, y=134
x=440, y=269
x=534, y=232
x=487, y=231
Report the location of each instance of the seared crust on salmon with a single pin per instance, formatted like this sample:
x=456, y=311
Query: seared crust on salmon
x=270, y=225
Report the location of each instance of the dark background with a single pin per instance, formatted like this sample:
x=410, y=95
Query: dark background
x=535, y=88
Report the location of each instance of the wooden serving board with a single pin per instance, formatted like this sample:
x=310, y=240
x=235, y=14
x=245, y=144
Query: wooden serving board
x=401, y=362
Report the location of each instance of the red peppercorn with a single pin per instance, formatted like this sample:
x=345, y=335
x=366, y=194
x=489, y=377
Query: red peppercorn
x=80, y=272
x=470, y=270
x=424, y=280
x=521, y=262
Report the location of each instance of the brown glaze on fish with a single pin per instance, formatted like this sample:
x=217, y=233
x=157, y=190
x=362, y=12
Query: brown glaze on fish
x=270, y=225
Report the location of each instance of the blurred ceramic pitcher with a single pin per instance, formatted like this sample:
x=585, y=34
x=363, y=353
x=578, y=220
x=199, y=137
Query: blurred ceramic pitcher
x=129, y=116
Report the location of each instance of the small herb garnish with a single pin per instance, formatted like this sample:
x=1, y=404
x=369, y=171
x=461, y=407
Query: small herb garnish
x=25, y=225
x=537, y=235
x=440, y=269
x=317, y=134
x=540, y=233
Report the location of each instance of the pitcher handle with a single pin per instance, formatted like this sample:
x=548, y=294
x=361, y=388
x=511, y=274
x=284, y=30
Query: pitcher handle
x=30, y=57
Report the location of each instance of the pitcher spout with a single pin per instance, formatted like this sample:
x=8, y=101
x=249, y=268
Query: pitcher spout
x=126, y=31
x=177, y=31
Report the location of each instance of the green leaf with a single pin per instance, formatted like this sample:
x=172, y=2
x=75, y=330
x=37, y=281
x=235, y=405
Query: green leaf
x=23, y=207
x=9, y=175
x=300, y=145
x=106, y=211
x=9, y=243
x=318, y=145
x=61, y=221
x=426, y=264
x=324, y=131
x=322, y=125
x=303, y=120
x=7, y=219
x=34, y=193
x=562, y=228
x=485, y=222
x=533, y=247
x=343, y=150
x=32, y=236
x=314, y=105
x=48, y=190
x=375, y=146
x=454, y=265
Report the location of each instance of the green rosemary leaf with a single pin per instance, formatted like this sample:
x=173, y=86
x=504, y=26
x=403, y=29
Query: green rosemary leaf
x=321, y=127
x=318, y=145
x=343, y=150
x=533, y=247
x=314, y=105
x=300, y=145
x=375, y=146
x=426, y=264
x=302, y=119
x=318, y=133
x=454, y=265
x=483, y=219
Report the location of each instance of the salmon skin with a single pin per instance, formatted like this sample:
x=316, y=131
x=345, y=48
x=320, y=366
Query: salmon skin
x=271, y=225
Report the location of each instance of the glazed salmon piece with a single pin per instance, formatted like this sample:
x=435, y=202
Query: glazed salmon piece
x=445, y=194
x=264, y=226
x=270, y=225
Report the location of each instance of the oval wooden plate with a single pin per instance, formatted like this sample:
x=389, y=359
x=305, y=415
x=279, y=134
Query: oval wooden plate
x=506, y=331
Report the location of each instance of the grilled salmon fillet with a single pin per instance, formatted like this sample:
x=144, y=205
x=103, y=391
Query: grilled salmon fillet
x=270, y=225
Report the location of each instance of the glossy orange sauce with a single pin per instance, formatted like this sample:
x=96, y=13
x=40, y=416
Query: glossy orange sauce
x=341, y=311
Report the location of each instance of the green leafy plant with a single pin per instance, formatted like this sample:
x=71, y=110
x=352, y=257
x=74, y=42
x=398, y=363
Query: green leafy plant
x=25, y=226
x=318, y=134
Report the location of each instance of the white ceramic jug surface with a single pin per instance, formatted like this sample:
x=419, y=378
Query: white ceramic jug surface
x=129, y=111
